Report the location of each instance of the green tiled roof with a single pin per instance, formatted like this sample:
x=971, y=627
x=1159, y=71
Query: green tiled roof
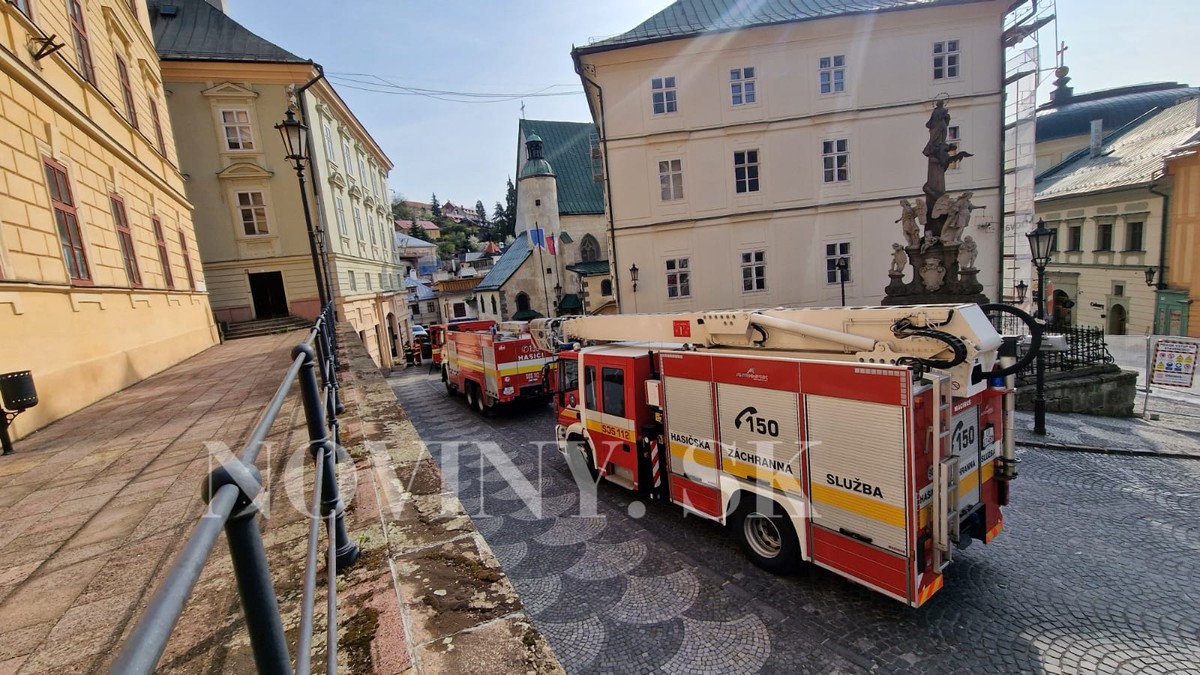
x=568, y=149
x=687, y=18
x=507, y=265
x=590, y=268
x=526, y=315
x=570, y=301
x=197, y=31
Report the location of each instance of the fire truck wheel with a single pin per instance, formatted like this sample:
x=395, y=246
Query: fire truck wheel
x=578, y=444
x=481, y=403
x=450, y=390
x=472, y=393
x=767, y=539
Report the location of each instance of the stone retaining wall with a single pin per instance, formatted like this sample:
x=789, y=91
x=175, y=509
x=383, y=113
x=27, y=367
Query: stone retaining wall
x=1104, y=390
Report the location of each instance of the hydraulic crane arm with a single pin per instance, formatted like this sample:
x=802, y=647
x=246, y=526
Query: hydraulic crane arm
x=953, y=338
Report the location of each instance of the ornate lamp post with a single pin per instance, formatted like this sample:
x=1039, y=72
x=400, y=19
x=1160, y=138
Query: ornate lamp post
x=1041, y=244
x=293, y=132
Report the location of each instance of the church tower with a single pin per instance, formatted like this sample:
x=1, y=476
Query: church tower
x=537, y=191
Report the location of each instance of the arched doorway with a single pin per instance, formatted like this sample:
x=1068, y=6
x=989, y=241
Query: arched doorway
x=1116, y=320
x=1061, y=315
x=391, y=327
x=522, y=302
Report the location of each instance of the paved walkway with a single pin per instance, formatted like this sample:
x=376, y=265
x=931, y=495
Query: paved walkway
x=95, y=504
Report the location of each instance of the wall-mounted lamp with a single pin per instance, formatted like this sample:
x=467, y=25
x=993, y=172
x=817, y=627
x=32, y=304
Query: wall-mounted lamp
x=45, y=46
x=1150, y=272
x=633, y=276
x=1022, y=291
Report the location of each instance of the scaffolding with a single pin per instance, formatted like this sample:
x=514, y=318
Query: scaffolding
x=1025, y=23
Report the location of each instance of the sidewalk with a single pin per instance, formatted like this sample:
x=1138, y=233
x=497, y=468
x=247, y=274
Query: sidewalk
x=97, y=503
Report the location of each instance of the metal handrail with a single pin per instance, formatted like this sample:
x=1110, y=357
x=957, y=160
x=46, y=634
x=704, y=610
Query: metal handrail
x=231, y=491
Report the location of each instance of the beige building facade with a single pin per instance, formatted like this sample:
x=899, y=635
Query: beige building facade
x=230, y=88
x=100, y=280
x=745, y=160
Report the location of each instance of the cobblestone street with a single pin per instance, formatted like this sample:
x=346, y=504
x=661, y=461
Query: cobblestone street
x=1095, y=571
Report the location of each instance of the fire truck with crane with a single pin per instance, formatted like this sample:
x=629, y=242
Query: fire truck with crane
x=494, y=365
x=870, y=441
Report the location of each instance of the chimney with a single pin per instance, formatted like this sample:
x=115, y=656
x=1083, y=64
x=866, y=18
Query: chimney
x=1097, y=140
x=219, y=4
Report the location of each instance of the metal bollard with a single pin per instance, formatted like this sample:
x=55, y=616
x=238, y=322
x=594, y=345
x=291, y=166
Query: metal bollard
x=323, y=451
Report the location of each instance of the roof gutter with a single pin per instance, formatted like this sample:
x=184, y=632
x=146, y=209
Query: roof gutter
x=614, y=268
x=1162, y=239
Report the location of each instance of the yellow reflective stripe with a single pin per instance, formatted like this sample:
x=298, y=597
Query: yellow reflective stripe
x=929, y=590
x=779, y=481
x=966, y=484
x=986, y=472
x=610, y=430
x=521, y=367
x=859, y=504
x=706, y=458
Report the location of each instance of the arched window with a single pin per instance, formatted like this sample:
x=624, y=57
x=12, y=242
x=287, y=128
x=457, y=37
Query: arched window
x=606, y=287
x=494, y=305
x=589, y=249
x=522, y=302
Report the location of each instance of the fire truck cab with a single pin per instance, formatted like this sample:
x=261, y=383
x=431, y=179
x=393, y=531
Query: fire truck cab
x=869, y=441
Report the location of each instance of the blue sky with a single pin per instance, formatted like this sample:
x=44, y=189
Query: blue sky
x=464, y=151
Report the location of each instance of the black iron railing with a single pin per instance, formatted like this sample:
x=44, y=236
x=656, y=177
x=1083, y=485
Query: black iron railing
x=1085, y=346
x=231, y=491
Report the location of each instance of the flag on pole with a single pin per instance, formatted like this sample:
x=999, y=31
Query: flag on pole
x=550, y=244
x=537, y=237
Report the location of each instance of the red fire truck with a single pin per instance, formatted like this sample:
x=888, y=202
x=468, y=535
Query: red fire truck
x=869, y=441
x=437, y=334
x=494, y=366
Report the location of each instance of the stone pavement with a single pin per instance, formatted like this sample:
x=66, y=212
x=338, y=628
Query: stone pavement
x=94, y=504
x=97, y=505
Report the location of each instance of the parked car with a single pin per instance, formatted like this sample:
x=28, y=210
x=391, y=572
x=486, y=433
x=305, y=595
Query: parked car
x=419, y=331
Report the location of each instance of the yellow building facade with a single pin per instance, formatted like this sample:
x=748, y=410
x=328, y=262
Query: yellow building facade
x=1178, y=311
x=100, y=280
x=229, y=88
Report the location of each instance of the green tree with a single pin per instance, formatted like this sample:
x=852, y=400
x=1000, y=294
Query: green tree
x=436, y=208
x=479, y=209
x=417, y=231
x=400, y=210
x=510, y=210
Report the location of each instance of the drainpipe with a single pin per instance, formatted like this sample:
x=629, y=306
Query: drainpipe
x=1162, y=248
x=614, y=268
x=314, y=169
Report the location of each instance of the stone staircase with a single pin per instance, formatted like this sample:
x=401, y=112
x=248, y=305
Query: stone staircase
x=283, y=324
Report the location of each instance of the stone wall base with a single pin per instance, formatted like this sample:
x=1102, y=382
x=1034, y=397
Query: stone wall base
x=1103, y=390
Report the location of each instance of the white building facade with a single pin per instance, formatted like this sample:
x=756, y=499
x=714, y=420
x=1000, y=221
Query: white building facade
x=744, y=159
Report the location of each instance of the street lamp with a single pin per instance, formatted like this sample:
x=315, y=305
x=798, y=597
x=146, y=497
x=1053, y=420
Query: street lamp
x=633, y=276
x=1022, y=291
x=1041, y=243
x=842, y=265
x=1150, y=272
x=558, y=298
x=292, y=131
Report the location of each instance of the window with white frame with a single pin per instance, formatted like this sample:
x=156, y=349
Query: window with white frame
x=367, y=278
x=837, y=262
x=745, y=170
x=679, y=278
x=670, y=179
x=362, y=169
x=945, y=60
x=253, y=210
x=358, y=231
x=348, y=159
x=236, y=126
x=741, y=86
x=371, y=228
x=754, y=271
x=954, y=138
x=833, y=74
x=380, y=275
x=341, y=217
x=835, y=158
x=353, y=281
x=663, y=95
x=330, y=150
